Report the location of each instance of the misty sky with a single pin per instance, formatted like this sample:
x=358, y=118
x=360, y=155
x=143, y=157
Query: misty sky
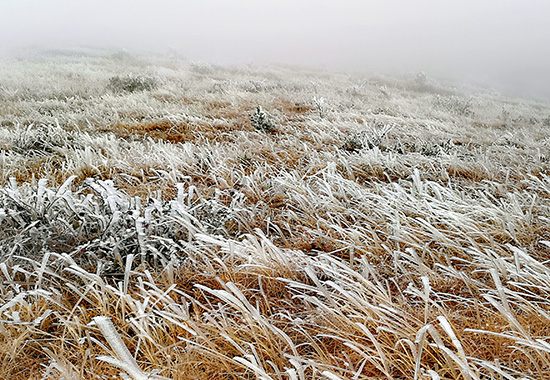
x=504, y=43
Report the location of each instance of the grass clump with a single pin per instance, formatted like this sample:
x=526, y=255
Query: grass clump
x=40, y=139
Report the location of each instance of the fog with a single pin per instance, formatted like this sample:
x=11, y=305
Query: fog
x=498, y=43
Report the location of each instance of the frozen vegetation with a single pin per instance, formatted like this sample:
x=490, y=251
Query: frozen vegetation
x=166, y=219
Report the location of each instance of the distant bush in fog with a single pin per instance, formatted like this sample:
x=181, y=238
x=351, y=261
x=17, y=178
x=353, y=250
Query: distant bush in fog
x=454, y=105
x=132, y=83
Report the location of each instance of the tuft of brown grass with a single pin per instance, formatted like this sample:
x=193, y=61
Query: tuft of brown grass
x=176, y=133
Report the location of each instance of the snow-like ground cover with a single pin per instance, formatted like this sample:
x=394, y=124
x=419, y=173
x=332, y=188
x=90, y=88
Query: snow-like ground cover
x=167, y=219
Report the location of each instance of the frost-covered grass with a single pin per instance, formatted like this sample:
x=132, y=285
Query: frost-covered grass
x=379, y=228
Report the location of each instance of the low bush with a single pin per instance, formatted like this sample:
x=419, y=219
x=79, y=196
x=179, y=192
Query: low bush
x=261, y=121
x=132, y=83
x=454, y=105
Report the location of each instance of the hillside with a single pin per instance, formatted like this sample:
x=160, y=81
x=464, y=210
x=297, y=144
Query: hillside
x=167, y=219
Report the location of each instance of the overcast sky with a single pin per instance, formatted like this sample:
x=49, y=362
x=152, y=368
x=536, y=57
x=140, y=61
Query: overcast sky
x=505, y=43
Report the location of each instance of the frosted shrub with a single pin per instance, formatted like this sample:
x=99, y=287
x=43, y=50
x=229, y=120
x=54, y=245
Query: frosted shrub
x=454, y=105
x=319, y=104
x=421, y=79
x=132, y=84
x=353, y=144
x=261, y=121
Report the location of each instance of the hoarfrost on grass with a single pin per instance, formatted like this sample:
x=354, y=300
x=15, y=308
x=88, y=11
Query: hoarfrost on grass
x=383, y=228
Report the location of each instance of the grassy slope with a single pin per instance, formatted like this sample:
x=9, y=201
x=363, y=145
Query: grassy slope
x=384, y=229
